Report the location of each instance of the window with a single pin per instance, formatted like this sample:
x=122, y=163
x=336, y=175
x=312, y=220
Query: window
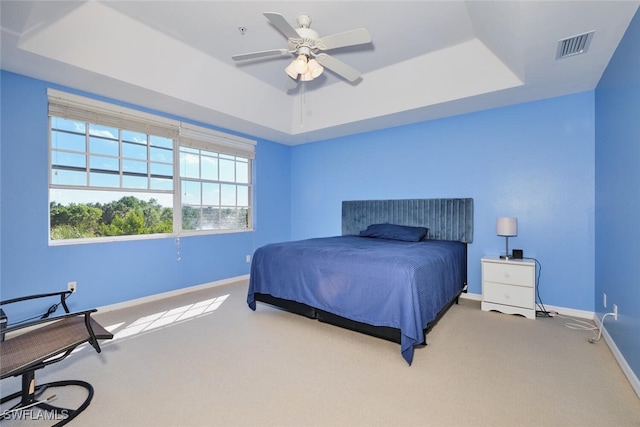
x=120, y=172
x=215, y=190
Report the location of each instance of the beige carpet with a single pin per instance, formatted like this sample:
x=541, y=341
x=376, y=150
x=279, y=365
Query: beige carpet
x=206, y=359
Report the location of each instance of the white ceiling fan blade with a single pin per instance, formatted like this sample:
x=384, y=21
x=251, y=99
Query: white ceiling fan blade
x=348, y=38
x=261, y=54
x=281, y=24
x=338, y=67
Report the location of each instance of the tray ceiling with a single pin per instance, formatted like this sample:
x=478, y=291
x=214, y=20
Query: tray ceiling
x=427, y=60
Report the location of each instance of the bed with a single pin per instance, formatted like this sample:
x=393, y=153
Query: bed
x=395, y=270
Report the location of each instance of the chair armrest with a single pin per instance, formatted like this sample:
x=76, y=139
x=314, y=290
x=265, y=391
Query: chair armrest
x=52, y=309
x=63, y=297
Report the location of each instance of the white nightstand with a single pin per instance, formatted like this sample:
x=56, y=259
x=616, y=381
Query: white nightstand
x=509, y=286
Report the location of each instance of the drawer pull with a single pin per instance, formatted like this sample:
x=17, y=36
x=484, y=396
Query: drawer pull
x=507, y=275
x=507, y=296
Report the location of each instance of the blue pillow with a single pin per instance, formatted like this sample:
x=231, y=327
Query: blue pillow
x=405, y=233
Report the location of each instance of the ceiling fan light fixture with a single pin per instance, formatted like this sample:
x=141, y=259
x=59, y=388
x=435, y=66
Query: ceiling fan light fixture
x=306, y=77
x=300, y=64
x=315, y=69
x=291, y=70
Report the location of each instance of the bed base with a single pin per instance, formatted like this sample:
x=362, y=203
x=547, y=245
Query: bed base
x=383, y=332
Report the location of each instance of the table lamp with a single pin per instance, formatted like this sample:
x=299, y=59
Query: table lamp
x=507, y=226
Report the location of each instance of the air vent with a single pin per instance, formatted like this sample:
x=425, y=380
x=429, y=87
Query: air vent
x=575, y=45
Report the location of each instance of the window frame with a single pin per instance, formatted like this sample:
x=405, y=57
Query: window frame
x=182, y=134
x=220, y=182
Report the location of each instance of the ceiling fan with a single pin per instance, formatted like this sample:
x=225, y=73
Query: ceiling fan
x=308, y=48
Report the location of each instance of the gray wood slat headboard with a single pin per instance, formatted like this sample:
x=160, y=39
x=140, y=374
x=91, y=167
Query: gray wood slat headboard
x=446, y=219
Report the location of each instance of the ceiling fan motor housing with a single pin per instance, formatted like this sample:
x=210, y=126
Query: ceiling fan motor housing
x=307, y=39
x=304, y=21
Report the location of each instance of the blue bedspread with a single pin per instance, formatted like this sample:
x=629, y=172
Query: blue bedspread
x=381, y=282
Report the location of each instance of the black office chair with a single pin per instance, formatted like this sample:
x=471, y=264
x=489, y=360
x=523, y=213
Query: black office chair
x=30, y=345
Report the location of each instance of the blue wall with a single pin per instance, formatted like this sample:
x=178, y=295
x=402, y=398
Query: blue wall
x=116, y=271
x=618, y=195
x=534, y=161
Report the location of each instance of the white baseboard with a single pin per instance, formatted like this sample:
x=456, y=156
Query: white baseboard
x=163, y=295
x=474, y=297
x=572, y=312
x=622, y=362
x=561, y=310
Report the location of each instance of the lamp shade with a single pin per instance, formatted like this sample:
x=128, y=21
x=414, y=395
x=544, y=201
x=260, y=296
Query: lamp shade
x=314, y=68
x=300, y=64
x=291, y=70
x=307, y=69
x=507, y=226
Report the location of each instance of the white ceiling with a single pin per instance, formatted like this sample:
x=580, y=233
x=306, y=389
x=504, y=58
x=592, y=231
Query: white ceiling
x=427, y=60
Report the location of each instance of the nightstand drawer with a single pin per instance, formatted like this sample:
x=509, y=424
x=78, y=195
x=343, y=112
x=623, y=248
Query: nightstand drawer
x=498, y=293
x=511, y=274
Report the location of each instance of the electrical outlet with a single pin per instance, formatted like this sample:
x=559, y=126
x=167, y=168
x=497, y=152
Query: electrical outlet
x=248, y=258
x=604, y=300
x=615, y=312
x=71, y=286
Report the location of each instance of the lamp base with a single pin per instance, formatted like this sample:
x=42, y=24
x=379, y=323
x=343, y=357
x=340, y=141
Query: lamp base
x=506, y=257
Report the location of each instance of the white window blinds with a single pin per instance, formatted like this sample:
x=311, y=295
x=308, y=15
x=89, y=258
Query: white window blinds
x=206, y=139
x=74, y=107
x=69, y=106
